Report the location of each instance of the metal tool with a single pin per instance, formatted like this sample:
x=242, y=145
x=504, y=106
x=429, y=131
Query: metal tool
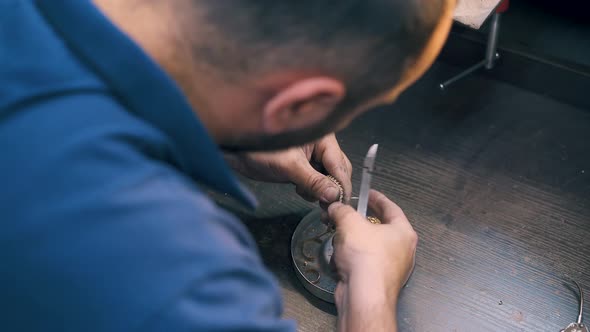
x=368, y=167
x=363, y=200
x=311, y=244
x=578, y=326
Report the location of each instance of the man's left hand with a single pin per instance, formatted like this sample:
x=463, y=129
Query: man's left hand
x=305, y=166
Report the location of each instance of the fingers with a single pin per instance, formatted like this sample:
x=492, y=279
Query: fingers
x=342, y=214
x=386, y=210
x=335, y=162
x=313, y=185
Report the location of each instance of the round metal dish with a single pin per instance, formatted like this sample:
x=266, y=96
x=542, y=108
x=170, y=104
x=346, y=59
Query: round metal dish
x=311, y=251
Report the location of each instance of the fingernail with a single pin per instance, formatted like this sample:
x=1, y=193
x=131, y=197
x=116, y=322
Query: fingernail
x=331, y=194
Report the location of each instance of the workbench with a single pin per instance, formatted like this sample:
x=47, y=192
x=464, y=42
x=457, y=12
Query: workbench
x=496, y=181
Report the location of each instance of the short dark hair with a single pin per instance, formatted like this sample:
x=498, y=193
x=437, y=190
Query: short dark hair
x=366, y=43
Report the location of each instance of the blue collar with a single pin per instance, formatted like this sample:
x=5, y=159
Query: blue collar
x=144, y=89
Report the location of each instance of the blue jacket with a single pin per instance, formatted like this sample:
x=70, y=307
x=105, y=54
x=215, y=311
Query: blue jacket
x=104, y=225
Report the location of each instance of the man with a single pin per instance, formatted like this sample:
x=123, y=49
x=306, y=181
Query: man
x=112, y=114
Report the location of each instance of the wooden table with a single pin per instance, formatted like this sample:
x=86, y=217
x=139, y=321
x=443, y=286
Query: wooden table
x=496, y=181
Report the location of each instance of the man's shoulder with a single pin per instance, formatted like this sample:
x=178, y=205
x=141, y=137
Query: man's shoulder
x=86, y=157
x=36, y=62
x=72, y=153
x=61, y=131
x=89, y=199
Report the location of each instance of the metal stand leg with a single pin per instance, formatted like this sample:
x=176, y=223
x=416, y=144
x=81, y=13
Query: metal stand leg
x=491, y=54
x=490, y=58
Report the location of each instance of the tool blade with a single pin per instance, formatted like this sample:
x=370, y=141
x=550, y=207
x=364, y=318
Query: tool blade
x=368, y=167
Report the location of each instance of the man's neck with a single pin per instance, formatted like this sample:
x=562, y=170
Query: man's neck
x=152, y=27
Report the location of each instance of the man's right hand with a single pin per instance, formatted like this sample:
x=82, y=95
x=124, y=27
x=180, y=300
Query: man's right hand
x=373, y=262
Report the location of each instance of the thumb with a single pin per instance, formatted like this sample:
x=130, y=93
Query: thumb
x=313, y=185
x=341, y=214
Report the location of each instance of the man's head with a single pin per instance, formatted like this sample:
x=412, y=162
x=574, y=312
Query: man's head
x=268, y=74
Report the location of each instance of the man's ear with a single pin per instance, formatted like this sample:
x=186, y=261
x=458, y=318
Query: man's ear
x=302, y=104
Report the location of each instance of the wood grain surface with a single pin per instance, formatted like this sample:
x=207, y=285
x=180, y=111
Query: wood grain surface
x=496, y=181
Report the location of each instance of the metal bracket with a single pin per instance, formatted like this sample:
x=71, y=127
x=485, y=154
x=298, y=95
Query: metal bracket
x=491, y=55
